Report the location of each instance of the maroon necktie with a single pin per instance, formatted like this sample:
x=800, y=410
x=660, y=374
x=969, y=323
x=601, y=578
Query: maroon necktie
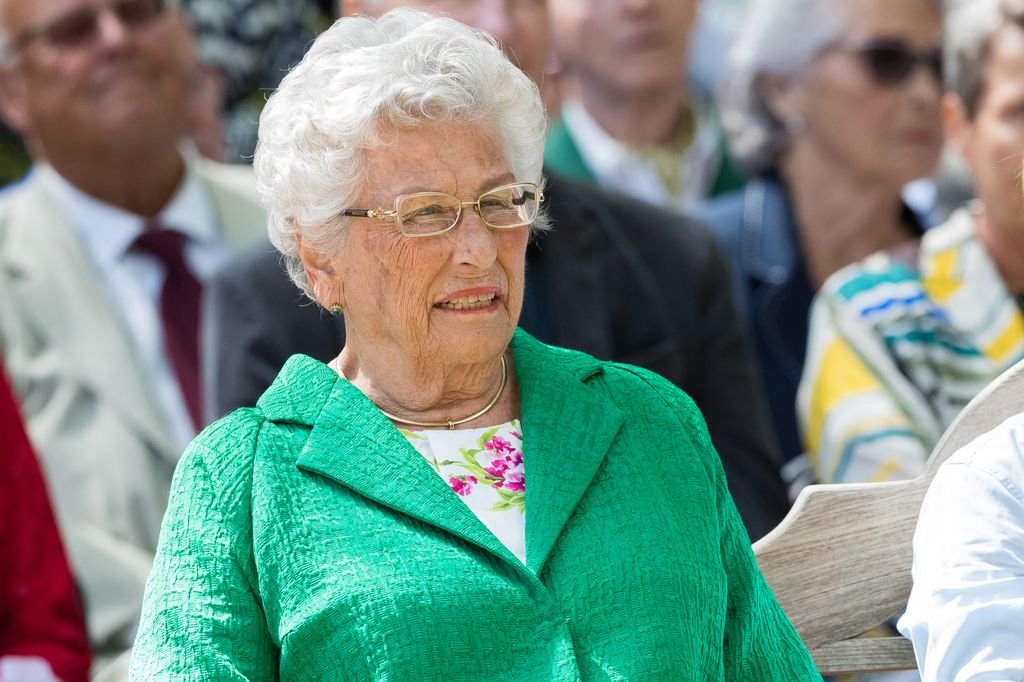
x=179, y=311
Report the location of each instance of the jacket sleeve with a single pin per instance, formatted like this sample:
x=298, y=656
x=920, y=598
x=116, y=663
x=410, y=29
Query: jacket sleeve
x=759, y=644
x=964, y=613
x=860, y=418
x=41, y=614
x=202, y=616
x=728, y=392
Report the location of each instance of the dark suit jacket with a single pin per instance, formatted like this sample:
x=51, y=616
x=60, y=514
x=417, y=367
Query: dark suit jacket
x=615, y=277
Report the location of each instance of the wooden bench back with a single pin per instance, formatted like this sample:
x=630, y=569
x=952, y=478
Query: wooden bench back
x=839, y=563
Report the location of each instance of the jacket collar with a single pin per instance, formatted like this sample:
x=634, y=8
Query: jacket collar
x=769, y=250
x=568, y=427
x=957, y=273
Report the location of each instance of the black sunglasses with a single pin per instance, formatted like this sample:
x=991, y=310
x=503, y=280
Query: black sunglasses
x=890, y=62
x=80, y=27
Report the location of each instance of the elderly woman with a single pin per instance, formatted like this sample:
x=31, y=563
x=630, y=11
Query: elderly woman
x=832, y=106
x=367, y=519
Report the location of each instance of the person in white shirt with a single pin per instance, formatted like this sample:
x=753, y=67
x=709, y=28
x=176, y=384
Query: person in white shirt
x=629, y=120
x=104, y=250
x=966, y=611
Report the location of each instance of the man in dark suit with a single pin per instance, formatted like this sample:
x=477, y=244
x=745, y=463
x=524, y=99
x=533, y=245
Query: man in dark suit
x=615, y=277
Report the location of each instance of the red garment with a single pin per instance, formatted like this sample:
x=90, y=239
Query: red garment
x=40, y=613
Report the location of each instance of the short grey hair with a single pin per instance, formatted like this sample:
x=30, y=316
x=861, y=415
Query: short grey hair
x=781, y=38
x=361, y=80
x=967, y=44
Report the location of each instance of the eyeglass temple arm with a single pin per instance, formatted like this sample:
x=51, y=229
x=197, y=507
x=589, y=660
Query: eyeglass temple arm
x=378, y=213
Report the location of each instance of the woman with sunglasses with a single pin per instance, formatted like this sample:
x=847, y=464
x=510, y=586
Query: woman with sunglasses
x=899, y=346
x=448, y=499
x=833, y=107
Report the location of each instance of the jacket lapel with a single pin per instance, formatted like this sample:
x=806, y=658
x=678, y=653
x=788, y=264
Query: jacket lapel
x=568, y=428
x=70, y=310
x=353, y=444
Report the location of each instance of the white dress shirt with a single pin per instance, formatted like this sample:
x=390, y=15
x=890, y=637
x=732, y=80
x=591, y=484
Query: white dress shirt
x=134, y=280
x=966, y=611
x=619, y=167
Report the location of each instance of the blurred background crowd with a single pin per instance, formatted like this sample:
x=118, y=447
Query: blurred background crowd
x=805, y=213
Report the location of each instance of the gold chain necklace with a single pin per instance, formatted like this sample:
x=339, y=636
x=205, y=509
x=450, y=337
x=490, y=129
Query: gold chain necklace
x=449, y=423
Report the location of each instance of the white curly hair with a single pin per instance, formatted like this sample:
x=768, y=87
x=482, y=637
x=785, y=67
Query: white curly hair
x=361, y=80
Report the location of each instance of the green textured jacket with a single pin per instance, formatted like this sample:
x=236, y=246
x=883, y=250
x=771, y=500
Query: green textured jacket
x=307, y=540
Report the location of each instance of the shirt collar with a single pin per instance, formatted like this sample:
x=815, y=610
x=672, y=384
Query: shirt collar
x=679, y=174
x=189, y=212
x=601, y=151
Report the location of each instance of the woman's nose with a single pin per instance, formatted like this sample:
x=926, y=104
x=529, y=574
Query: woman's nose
x=476, y=244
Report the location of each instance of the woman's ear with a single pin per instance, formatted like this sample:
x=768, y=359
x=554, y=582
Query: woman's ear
x=783, y=96
x=322, y=272
x=958, y=127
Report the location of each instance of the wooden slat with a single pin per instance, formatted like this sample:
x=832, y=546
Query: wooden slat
x=865, y=655
x=839, y=563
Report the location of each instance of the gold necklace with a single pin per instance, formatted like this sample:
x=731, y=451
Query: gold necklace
x=449, y=423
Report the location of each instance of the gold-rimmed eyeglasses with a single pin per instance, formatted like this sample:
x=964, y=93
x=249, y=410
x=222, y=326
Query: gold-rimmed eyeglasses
x=425, y=214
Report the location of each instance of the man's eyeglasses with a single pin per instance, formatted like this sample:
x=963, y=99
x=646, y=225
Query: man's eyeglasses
x=80, y=27
x=425, y=214
x=890, y=62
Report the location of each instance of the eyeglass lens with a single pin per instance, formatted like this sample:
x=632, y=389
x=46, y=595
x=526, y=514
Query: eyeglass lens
x=428, y=213
x=81, y=26
x=891, y=63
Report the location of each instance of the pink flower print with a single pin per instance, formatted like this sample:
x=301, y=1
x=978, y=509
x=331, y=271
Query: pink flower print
x=499, y=465
x=498, y=445
x=508, y=469
x=518, y=436
x=515, y=482
x=462, y=485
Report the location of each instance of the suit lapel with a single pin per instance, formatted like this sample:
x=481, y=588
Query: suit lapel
x=353, y=444
x=568, y=428
x=62, y=298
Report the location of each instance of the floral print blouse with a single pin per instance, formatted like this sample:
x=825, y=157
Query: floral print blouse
x=484, y=467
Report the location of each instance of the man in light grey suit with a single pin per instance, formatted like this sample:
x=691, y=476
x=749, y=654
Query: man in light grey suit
x=104, y=251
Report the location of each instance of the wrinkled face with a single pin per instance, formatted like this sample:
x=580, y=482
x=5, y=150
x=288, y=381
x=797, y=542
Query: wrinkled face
x=126, y=81
x=625, y=45
x=449, y=298
x=878, y=131
x=521, y=26
x=995, y=138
